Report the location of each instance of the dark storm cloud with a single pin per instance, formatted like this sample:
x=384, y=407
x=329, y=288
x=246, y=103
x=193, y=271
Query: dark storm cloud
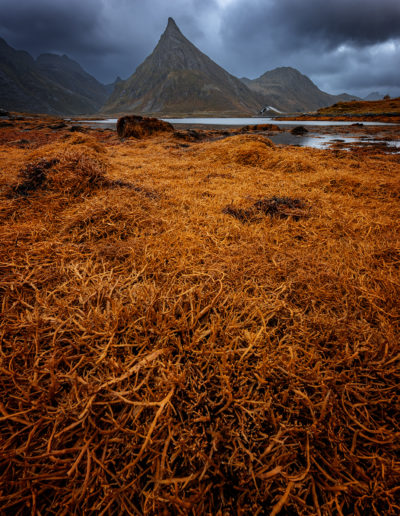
x=73, y=28
x=340, y=44
x=51, y=25
x=108, y=37
x=328, y=40
x=332, y=23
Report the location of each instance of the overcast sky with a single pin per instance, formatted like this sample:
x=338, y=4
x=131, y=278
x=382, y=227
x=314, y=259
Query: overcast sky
x=342, y=45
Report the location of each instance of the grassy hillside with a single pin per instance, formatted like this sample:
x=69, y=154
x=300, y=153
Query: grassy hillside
x=364, y=107
x=197, y=328
x=387, y=111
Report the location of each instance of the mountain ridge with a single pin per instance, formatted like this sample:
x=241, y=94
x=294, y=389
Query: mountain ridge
x=70, y=74
x=51, y=84
x=176, y=79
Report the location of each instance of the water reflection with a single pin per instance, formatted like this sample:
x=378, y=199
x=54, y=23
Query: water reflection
x=326, y=140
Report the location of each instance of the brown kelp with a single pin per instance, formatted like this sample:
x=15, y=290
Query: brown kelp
x=160, y=356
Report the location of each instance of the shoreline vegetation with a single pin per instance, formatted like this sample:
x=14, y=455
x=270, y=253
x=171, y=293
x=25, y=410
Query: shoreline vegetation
x=197, y=322
x=387, y=110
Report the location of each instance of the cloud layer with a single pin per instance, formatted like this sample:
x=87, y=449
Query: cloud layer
x=343, y=45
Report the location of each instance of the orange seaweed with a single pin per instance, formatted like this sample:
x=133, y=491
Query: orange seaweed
x=158, y=356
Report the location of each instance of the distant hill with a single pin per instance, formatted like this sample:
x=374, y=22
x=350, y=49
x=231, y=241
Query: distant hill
x=364, y=107
x=288, y=90
x=52, y=84
x=178, y=79
x=346, y=97
x=375, y=95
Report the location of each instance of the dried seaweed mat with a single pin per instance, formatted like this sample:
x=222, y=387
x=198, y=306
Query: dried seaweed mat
x=279, y=207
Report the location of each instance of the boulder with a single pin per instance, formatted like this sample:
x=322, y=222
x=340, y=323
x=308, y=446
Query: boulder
x=136, y=126
x=299, y=130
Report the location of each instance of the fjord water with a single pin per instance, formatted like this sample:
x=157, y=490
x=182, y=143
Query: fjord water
x=243, y=121
x=254, y=121
x=323, y=141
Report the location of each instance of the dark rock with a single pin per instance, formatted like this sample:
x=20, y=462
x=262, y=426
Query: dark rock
x=299, y=130
x=194, y=134
x=56, y=127
x=189, y=135
x=3, y=112
x=77, y=129
x=139, y=127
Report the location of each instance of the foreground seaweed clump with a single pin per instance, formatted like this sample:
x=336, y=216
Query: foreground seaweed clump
x=71, y=172
x=160, y=355
x=274, y=207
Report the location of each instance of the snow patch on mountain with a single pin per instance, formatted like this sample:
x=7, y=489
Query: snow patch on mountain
x=270, y=108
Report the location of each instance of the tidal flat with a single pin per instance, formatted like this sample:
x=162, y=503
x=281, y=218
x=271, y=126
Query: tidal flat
x=197, y=322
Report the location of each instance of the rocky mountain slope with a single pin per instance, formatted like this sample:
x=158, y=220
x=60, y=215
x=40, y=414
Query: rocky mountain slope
x=177, y=78
x=288, y=90
x=51, y=84
x=110, y=87
x=72, y=76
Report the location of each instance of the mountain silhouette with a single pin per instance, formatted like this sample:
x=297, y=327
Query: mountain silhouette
x=177, y=78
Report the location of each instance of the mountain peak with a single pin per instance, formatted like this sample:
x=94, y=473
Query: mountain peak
x=172, y=27
x=178, y=78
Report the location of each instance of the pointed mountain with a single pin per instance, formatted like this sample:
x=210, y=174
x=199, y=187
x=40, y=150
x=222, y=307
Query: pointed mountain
x=287, y=89
x=178, y=79
x=52, y=84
